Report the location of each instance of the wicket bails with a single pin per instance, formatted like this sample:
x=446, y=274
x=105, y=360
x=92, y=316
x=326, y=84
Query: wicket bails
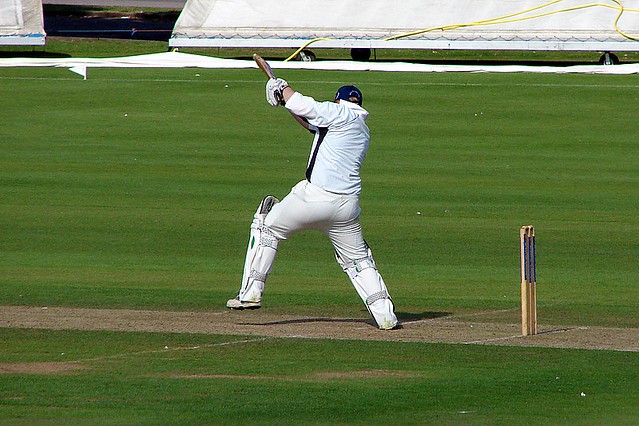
x=528, y=280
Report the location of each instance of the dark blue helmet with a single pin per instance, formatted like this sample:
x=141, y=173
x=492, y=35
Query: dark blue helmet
x=350, y=94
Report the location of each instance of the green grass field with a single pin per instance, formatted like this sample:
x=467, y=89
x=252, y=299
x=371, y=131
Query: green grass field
x=135, y=189
x=298, y=381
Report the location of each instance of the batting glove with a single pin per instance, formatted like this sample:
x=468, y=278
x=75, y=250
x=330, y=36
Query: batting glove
x=275, y=91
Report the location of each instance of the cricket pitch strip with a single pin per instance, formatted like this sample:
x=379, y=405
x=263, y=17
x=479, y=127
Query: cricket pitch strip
x=457, y=329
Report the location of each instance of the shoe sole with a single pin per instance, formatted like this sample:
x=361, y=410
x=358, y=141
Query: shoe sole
x=397, y=326
x=242, y=308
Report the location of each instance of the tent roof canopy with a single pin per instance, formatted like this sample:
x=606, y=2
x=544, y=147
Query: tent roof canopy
x=411, y=24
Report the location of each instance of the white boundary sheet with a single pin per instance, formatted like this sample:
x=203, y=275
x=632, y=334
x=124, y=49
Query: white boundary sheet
x=587, y=25
x=185, y=60
x=21, y=23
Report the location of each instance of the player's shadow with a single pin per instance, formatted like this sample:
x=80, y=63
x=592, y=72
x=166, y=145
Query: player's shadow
x=310, y=320
x=402, y=316
x=412, y=316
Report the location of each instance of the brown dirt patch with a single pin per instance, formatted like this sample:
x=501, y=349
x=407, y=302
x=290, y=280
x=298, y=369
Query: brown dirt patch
x=39, y=367
x=459, y=329
x=365, y=374
x=317, y=377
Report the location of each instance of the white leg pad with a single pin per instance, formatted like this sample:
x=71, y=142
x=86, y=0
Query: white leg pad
x=371, y=289
x=260, y=254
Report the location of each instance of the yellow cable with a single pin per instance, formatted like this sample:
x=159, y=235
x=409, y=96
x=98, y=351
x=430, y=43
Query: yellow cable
x=506, y=18
x=622, y=9
x=511, y=17
x=541, y=15
x=304, y=47
x=476, y=23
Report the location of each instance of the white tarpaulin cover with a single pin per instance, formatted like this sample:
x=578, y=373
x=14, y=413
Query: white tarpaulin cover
x=604, y=25
x=21, y=23
x=185, y=60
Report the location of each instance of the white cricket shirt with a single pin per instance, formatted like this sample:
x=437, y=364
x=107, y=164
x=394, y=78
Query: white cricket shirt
x=340, y=143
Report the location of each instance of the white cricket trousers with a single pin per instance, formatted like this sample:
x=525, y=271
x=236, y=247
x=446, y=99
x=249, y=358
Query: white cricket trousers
x=309, y=207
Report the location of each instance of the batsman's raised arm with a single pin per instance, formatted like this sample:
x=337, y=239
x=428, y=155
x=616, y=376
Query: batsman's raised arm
x=302, y=121
x=278, y=92
x=287, y=93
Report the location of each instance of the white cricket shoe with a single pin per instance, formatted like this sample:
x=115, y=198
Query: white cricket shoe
x=236, y=303
x=391, y=326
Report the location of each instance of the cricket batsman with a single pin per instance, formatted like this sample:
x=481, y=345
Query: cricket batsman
x=327, y=200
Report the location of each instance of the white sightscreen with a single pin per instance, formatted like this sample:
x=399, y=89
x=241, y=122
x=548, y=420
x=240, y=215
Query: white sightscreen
x=21, y=22
x=455, y=24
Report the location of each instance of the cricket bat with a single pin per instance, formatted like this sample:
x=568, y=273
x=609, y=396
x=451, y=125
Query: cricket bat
x=263, y=65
